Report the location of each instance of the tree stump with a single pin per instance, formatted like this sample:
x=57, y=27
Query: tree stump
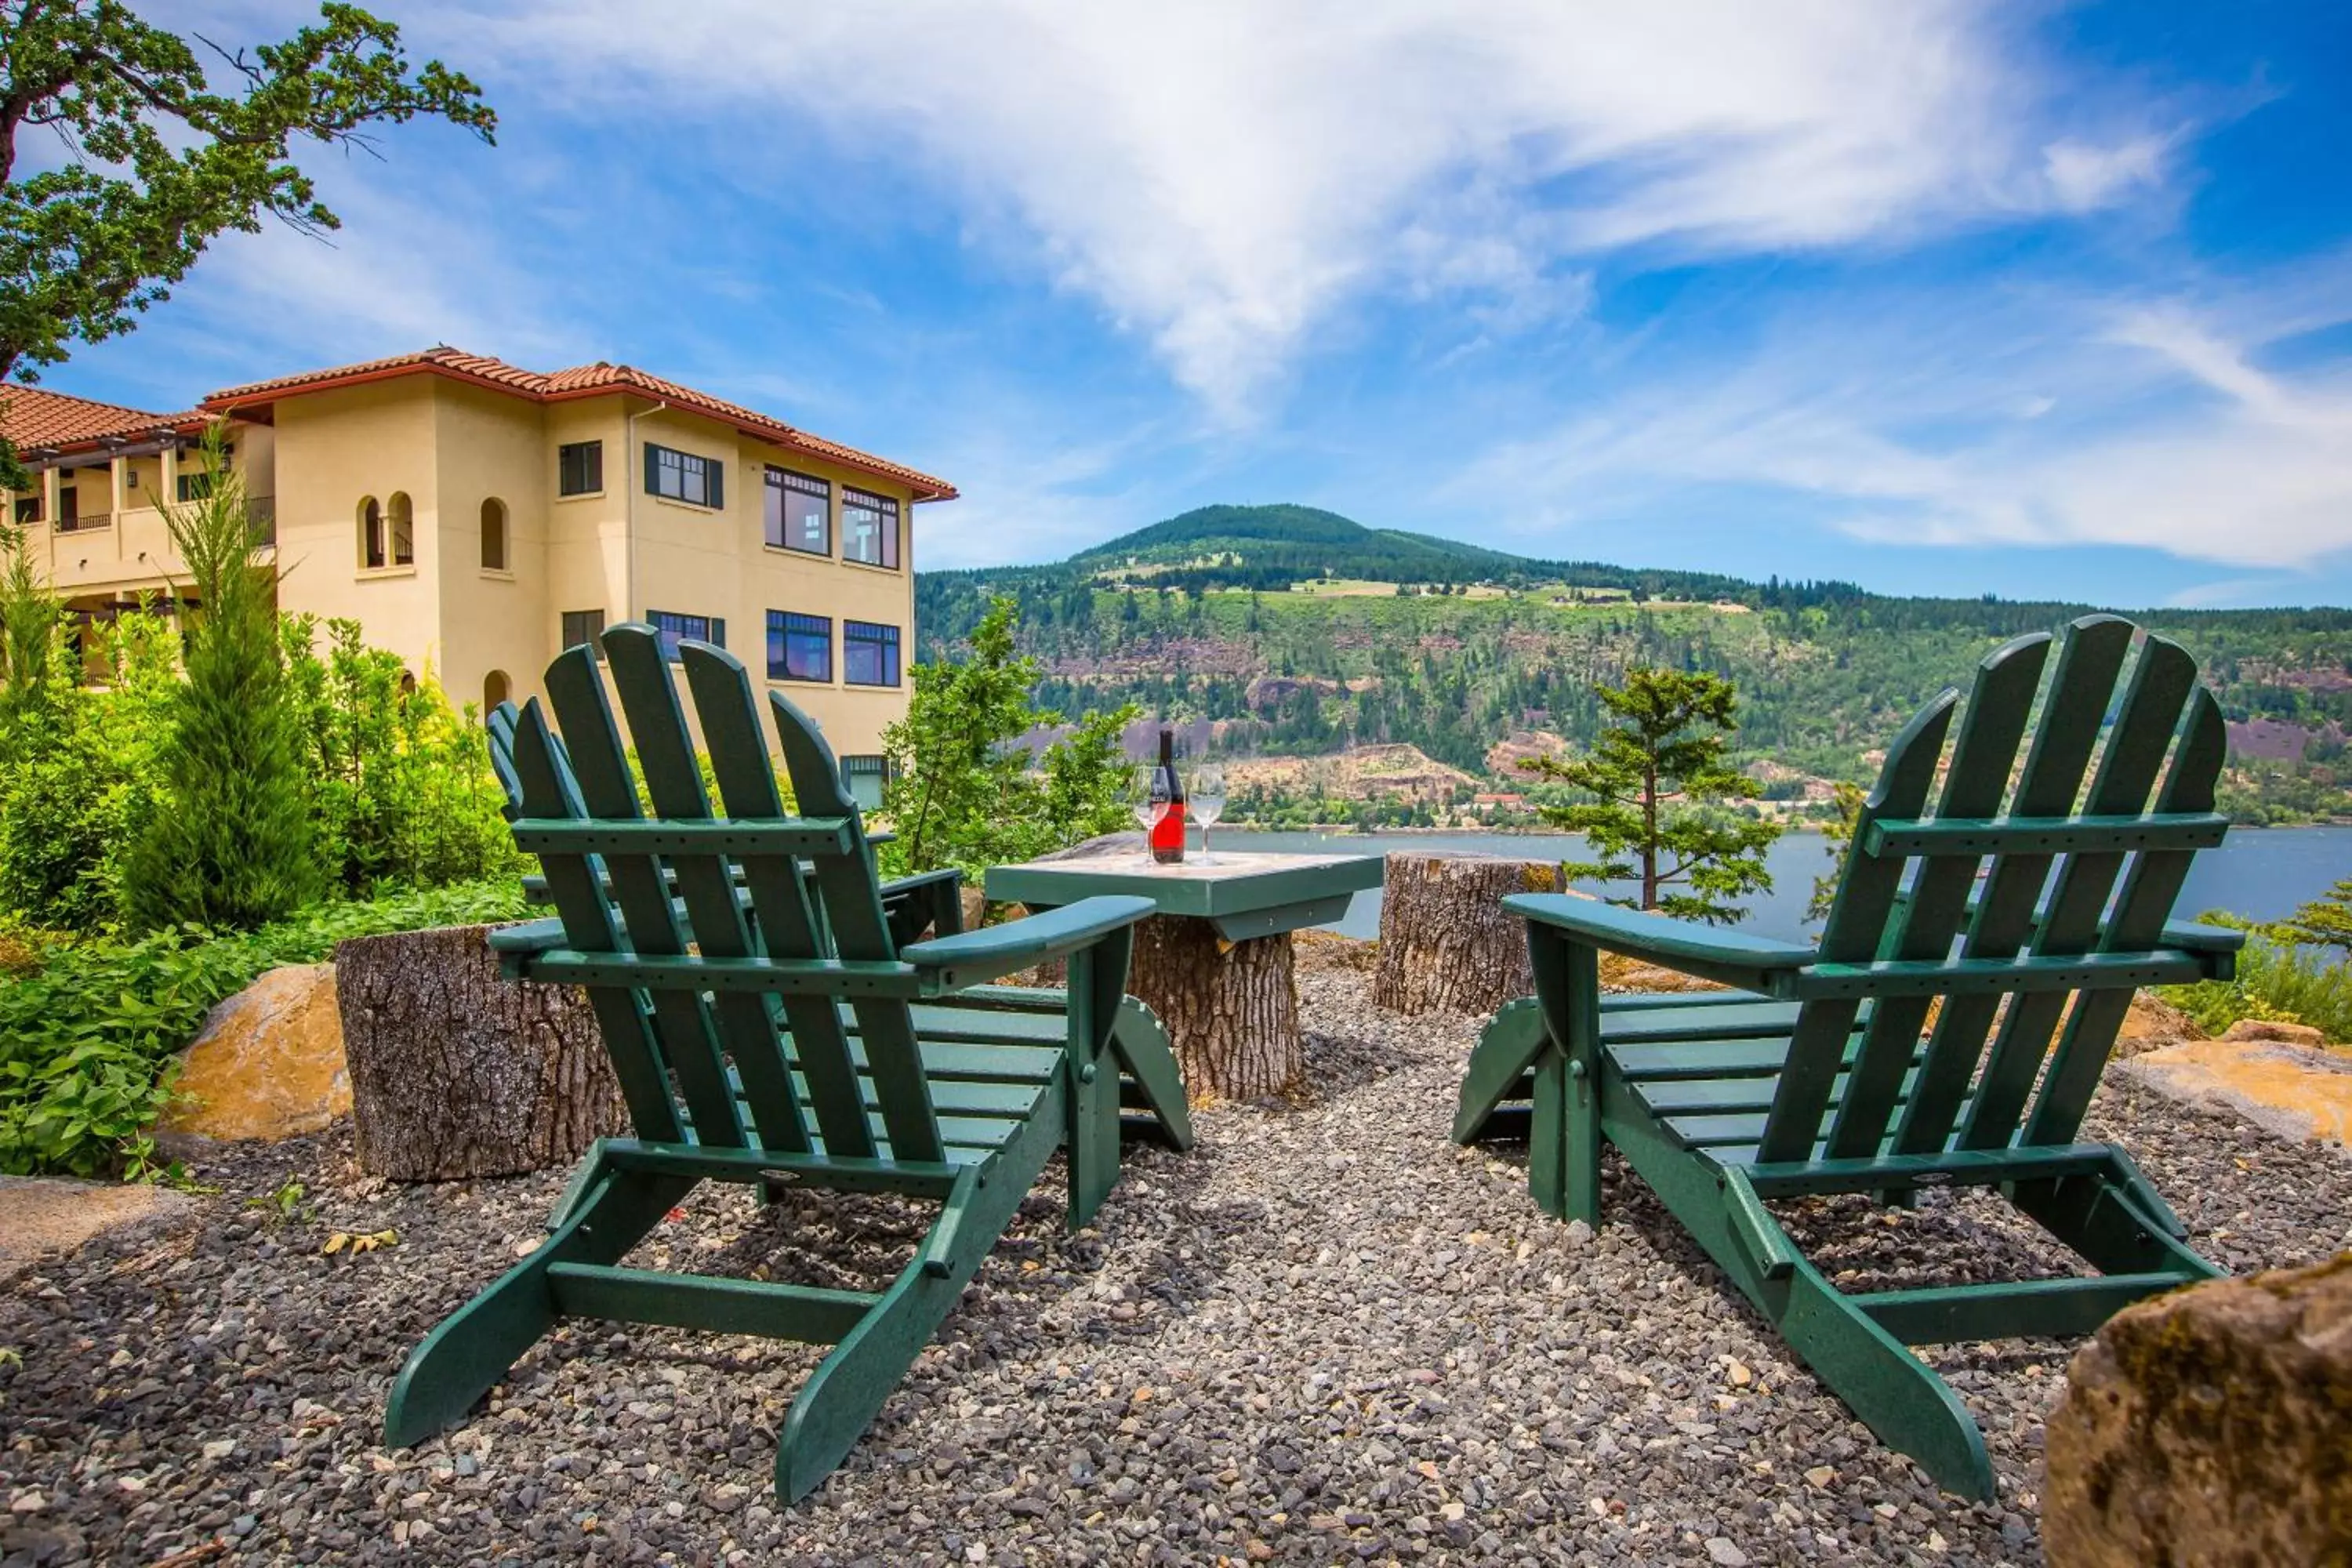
x=1231, y=1009
x=1446, y=943
x=459, y=1072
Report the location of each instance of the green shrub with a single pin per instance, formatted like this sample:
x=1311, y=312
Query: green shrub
x=232, y=842
x=2277, y=982
x=399, y=780
x=87, y=1040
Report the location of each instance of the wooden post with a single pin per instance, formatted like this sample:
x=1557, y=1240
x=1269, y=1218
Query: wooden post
x=1231, y=1009
x=459, y=1072
x=1446, y=943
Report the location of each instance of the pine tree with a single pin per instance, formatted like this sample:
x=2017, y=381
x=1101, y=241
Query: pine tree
x=1661, y=787
x=231, y=843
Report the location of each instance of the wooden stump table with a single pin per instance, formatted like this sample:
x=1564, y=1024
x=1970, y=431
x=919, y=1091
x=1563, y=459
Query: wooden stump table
x=1215, y=962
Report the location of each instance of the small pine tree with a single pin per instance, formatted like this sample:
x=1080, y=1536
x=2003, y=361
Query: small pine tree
x=1660, y=783
x=231, y=843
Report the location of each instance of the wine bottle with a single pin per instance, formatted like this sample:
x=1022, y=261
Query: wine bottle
x=1167, y=833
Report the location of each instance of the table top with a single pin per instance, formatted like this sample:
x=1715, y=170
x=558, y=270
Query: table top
x=1231, y=883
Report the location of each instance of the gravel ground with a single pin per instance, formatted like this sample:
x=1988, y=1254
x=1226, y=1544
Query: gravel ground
x=1325, y=1336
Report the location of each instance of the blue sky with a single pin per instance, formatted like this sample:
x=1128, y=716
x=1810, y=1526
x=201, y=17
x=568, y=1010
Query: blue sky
x=2043, y=300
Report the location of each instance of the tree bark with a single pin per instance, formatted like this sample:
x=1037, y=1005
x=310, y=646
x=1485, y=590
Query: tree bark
x=1446, y=944
x=1231, y=1010
x=459, y=1072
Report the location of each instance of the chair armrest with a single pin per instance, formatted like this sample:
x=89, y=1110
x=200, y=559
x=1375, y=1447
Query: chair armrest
x=952, y=963
x=528, y=939
x=1738, y=959
x=2195, y=938
x=929, y=900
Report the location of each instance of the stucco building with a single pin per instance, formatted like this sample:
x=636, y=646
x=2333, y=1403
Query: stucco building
x=475, y=518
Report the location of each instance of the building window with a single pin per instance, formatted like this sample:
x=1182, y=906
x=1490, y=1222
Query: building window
x=682, y=476
x=371, y=553
x=579, y=467
x=675, y=629
x=68, y=508
x=798, y=512
x=494, y=535
x=401, y=518
x=799, y=648
x=496, y=689
x=865, y=777
x=193, y=487
x=869, y=654
x=28, y=509
x=583, y=628
x=870, y=528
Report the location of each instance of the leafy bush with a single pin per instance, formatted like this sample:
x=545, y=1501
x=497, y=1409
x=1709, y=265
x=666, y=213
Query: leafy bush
x=87, y=1039
x=2277, y=982
x=399, y=782
x=965, y=792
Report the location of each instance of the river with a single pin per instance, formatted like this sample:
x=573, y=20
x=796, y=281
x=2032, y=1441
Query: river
x=2262, y=873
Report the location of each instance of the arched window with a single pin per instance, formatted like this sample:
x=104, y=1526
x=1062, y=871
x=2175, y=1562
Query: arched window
x=496, y=689
x=494, y=535
x=371, y=517
x=403, y=529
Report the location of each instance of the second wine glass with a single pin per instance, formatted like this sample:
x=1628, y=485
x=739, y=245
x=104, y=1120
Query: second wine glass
x=1146, y=796
x=1205, y=797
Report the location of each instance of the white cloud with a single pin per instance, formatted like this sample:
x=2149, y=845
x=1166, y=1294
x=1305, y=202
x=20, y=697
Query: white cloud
x=1222, y=174
x=2083, y=176
x=1992, y=425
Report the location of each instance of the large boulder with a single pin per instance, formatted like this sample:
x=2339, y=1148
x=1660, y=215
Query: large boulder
x=268, y=1064
x=2212, y=1425
x=2294, y=1089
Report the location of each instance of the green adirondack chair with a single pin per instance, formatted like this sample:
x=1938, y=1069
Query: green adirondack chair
x=1811, y=1076
x=789, y=1039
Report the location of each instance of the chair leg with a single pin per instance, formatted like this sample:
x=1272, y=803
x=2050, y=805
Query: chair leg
x=471, y=1350
x=1564, y=1137
x=1091, y=1137
x=1141, y=1045
x=850, y=1387
x=1897, y=1395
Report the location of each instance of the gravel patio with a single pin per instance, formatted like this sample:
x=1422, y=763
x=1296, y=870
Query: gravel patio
x=1326, y=1336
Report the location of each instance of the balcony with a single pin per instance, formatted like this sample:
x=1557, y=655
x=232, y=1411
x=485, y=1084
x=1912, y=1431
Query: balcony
x=86, y=522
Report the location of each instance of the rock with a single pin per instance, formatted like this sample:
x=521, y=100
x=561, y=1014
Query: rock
x=1724, y=1552
x=2209, y=1426
x=43, y=1218
x=2271, y=1029
x=268, y=1063
x=2291, y=1090
x=2151, y=1022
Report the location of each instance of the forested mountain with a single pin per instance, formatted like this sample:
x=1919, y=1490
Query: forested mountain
x=1299, y=631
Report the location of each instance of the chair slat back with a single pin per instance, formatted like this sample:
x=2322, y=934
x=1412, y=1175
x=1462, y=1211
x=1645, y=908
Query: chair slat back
x=728, y=706
x=2034, y=900
x=640, y=891
x=852, y=895
x=501, y=727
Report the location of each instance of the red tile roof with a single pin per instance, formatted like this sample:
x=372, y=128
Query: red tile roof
x=33, y=417
x=580, y=381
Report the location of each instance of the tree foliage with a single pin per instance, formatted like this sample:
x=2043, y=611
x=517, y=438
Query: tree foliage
x=140, y=159
x=1837, y=837
x=966, y=791
x=233, y=843
x=1659, y=784
x=2324, y=921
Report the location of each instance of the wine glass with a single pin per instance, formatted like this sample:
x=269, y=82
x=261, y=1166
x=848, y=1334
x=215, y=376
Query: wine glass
x=1205, y=797
x=1146, y=796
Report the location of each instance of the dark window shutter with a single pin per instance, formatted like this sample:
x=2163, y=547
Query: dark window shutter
x=718, y=485
x=653, y=470
x=719, y=630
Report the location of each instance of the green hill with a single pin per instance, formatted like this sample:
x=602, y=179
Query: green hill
x=1295, y=630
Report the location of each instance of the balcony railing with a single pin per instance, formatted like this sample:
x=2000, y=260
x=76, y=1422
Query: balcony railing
x=85, y=522
x=263, y=510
